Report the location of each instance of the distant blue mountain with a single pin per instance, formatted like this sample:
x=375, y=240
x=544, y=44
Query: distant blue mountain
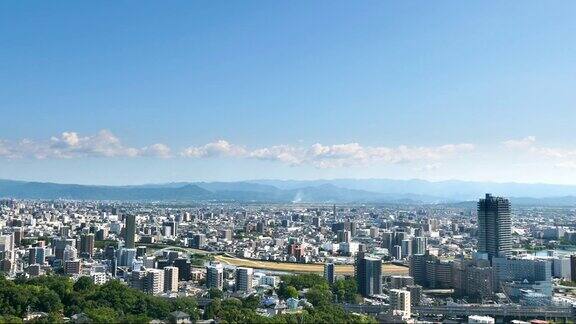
x=315, y=191
x=446, y=190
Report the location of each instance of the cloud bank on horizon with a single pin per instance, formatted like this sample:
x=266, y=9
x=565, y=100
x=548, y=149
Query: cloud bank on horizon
x=104, y=144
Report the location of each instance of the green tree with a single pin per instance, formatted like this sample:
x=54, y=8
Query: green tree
x=212, y=309
x=215, y=293
x=83, y=284
x=251, y=302
x=10, y=319
x=345, y=290
x=319, y=296
x=102, y=314
x=291, y=292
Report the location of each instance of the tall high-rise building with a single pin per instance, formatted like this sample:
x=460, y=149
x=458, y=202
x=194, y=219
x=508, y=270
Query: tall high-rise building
x=419, y=245
x=69, y=253
x=171, y=279
x=126, y=257
x=344, y=236
x=244, y=277
x=184, y=268
x=406, y=245
x=316, y=221
x=397, y=252
x=329, y=272
x=60, y=244
x=573, y=267
x=261, y=227
x=36, y=255
x=494, y=227
x=137, y=279
x=130, y=231
x=215, y=276
x=226, y=234
x=368, y=273
x=87, y=245
x=198, y=241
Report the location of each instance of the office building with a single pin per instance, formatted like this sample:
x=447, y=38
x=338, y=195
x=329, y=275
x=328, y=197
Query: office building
x=36, y=255
x=215, y=276
x=344, y=236
x=419, y=245
x=171, y=279
x=170, y=228
x=573, y=267
x=69, y=253
x=368, y=273
x=198, y=241
x=87, y=245
x=59, y=244
x=137, y=279
x=397, y=252
x=261, y=227
x=226, y=234
x=184, y=268
x=244, y=277
x=130, y=231
x=127, y=257
x=329, y=272
x=494, y=227
x=406, y=245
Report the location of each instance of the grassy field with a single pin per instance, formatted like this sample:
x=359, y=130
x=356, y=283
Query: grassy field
x=387, y=269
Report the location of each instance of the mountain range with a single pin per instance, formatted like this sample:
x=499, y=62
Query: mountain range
x=285, y=191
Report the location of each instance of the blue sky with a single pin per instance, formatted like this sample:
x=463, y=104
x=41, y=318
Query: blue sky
x=125, y=92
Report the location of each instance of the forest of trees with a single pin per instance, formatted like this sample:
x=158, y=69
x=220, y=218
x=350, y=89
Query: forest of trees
x=115, y=302
x=59, y=296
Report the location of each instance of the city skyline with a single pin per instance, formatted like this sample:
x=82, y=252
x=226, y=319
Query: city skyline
x=287, y=162
x=198, y=92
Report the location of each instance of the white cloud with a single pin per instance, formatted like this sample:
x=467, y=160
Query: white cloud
x=329, y=156
x=282, y=153
x=157, y=150
x=71, y=145
x=522, y=143
x=565, y=157
x=215, y=149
